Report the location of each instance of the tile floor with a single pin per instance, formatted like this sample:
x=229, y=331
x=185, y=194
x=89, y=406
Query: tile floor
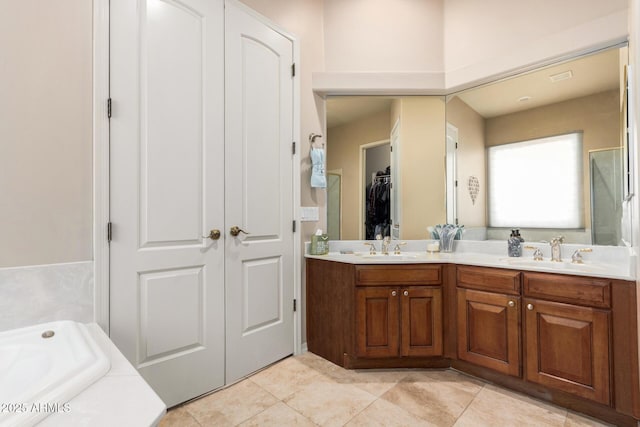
x=307, y=390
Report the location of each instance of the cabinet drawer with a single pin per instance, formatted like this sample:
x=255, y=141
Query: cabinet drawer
x=385, y=275
x=489, y=279
x=570, y=289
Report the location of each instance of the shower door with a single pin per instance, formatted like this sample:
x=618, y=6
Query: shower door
x=605, y=173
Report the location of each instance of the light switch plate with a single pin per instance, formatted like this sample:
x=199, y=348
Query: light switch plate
x=309, y=213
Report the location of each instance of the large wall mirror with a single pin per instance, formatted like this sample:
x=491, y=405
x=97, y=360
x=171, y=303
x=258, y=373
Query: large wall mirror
x=385, y=166
x=544, y=152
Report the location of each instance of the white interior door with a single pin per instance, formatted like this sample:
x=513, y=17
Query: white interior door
x=259, y=193
x=167, y=281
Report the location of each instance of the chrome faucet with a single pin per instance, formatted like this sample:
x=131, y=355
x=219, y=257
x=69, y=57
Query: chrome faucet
x=385, y=245
x=556, y=254
x=576, y=258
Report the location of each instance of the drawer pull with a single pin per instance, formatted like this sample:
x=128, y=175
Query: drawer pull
x=405, y=293
x=511, y=304
x=394, y=293
x=529, y=307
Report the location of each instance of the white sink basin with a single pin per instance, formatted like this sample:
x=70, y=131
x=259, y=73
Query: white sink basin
x=556, y=265
x=391, y=257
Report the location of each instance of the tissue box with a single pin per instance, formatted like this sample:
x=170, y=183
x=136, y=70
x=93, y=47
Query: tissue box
x=319, y=244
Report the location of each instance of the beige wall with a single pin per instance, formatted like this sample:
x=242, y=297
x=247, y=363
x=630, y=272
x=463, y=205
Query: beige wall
x=45, y=132
x=422, y=173
x=383, y=35
x=598, y=116
x=484, y=38
x=343, y=152
x=471, y=160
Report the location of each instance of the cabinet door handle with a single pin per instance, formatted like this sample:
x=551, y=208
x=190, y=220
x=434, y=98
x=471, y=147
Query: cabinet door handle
x=394, y=293
x=405, y=293
x=529, y=307
x=511, y=304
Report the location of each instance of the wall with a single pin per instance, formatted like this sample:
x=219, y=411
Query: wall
x=45, y=132
x=492, y=37
x=471, y=160
x=343, y=152
x=422, y=174
x=383, y=35
x=598, y=116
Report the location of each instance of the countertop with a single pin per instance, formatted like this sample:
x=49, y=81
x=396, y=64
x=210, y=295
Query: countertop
x=604, y=261
x=120, y=398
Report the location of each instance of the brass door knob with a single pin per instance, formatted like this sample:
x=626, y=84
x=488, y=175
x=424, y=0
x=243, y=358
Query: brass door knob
x=214, y=234
x=235, y=230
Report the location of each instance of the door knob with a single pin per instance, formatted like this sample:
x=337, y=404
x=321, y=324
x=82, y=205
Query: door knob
x=529, y=307
x=235, y=230
x=214, y=234
x=405, y=293
x=394, y=293
x=511, y=304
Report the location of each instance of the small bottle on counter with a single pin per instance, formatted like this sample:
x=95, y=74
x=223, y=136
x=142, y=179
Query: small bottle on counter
x=514, y=244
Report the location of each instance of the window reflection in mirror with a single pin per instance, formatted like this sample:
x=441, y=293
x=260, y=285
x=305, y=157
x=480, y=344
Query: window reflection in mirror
x=390, y=154
x=581, y=97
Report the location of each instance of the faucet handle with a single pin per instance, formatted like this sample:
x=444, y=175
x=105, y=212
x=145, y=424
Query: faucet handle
x=372, y=248
x=396, y=250
x=576, y=258
x=557, y=240
x=537, y=253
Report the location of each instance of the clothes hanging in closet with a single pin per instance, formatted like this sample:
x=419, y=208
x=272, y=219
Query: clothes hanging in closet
x=378, y=212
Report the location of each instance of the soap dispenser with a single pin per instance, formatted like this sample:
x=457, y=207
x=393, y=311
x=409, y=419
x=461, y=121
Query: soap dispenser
x=514, y=244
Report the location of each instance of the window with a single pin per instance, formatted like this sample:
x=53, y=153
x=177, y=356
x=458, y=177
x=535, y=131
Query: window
x=553, y=199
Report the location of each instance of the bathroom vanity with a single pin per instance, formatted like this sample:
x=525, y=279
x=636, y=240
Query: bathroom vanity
x=566, y=338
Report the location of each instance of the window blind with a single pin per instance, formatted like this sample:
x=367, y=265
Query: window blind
x=537, y=183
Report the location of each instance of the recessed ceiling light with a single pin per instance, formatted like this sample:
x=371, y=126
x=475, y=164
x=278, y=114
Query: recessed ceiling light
x=524, y=98
x=561, y=76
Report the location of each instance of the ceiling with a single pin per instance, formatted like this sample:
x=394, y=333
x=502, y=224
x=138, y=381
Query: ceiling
x=345, y=109
x=591, y=74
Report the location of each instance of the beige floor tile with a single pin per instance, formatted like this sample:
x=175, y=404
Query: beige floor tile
x=579, y=420
x=285, y=378
x=374, y=381
x=328, y=403
x=278, y=415
x=231, y=406
x=438, y=397
x=385, y=414
x=178, y=417
x=495, y=407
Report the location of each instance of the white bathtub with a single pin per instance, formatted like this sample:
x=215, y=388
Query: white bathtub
x=38, y=375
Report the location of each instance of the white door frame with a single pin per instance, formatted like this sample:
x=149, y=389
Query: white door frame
x=362, y=180
x=101, y=165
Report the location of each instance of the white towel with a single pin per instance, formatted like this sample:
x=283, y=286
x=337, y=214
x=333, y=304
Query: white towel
x=318, y=178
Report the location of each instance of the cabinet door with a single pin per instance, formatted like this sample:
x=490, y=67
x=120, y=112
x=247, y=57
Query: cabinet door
x=377, y=322
x=489, y=330
x=421, y=327
x=567, y=347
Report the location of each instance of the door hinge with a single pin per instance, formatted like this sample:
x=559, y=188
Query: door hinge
x=456, y=145
x=293, y=69
x=293, y=147
x=109, y=108
x=392, y=148
x=294, y=225
x=109, y=231
x=456, y=182
x=295, y=305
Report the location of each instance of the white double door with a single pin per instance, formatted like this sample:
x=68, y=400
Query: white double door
x=201, y=135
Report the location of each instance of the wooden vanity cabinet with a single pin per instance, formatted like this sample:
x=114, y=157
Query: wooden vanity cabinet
x=404, y=320
x=488, y=318
x=568, y=343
